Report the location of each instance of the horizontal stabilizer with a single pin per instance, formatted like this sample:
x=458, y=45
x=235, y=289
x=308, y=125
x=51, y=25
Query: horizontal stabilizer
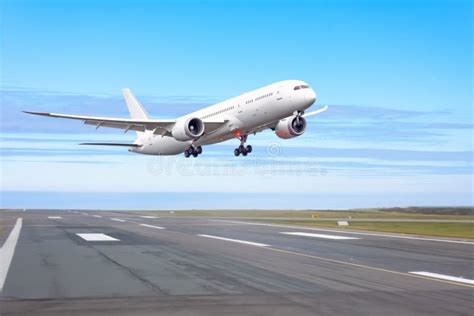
x=112, y=144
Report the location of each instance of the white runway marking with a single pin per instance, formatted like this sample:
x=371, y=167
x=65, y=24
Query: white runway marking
x=148, y=216
x=346, y=232
x=54, y=217
x=237, y=240
x=318, y=235
x=444, y=277
x=117, y=220
x=84, y=214
x=7, y=251
x=98, y=216
x=97, y=237
x=157, y=227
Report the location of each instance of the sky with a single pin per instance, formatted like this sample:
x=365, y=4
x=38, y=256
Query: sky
x=397, y=76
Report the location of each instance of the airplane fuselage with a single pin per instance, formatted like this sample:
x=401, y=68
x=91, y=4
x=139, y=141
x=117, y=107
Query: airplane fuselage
x=244, y=114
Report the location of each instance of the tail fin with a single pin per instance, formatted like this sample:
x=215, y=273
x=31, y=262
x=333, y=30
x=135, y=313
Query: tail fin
x=134, y=107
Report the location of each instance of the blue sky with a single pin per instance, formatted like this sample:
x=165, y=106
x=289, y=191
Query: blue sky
x=397, y=76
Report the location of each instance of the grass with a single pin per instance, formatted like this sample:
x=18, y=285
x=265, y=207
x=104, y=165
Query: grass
x=323, y=214
x=328, y=218
x=456, y=230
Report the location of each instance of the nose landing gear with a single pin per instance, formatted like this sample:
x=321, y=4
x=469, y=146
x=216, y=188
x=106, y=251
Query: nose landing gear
x=242, y=149
x=193, y=151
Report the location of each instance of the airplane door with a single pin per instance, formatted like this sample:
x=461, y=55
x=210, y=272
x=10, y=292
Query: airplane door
x=279, y=93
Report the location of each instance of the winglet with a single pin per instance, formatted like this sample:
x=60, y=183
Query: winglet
x=316, y=112
x=37, y=113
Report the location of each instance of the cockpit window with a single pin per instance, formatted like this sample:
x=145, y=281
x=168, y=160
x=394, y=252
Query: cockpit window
x=304, y=86
x=296, y=88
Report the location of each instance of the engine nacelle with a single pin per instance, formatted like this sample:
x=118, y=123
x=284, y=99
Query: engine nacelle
x=290, y=127
x=188, y=129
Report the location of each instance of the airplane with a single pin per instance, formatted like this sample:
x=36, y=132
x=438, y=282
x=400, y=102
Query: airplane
x=279, y=106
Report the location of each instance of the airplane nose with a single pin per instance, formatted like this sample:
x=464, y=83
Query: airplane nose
x=310, y=97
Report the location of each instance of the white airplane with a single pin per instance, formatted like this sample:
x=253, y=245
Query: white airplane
x=279, y=106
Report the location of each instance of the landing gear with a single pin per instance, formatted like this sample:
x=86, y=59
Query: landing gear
x=242, y=149
x=193, y=151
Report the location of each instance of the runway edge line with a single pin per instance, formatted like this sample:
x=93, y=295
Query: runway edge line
x=8, y=250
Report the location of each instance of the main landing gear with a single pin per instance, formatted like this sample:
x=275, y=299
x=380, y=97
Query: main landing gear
x=193, y=151
x=242, y=149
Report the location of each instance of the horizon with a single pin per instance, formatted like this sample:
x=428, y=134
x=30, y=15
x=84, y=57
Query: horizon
x=242, y=209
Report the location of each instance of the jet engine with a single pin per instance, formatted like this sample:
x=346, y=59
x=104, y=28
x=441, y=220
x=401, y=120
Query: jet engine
x=188, y=129
x=290, y=127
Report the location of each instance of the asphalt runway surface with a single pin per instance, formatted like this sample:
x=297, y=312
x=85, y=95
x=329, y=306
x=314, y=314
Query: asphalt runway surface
x=95, y=263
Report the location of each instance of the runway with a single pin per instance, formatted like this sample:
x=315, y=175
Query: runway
x=93, y=262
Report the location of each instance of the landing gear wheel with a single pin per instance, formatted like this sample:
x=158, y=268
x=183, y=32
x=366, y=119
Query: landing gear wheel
x=242, y=149
x=193, y=151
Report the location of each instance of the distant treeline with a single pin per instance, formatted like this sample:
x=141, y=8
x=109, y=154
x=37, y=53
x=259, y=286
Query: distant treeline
x=432, y=210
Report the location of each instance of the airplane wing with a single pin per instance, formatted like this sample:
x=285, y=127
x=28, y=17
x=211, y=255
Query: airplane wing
x=162, y=127
x=272, y=124
x=316, y=112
